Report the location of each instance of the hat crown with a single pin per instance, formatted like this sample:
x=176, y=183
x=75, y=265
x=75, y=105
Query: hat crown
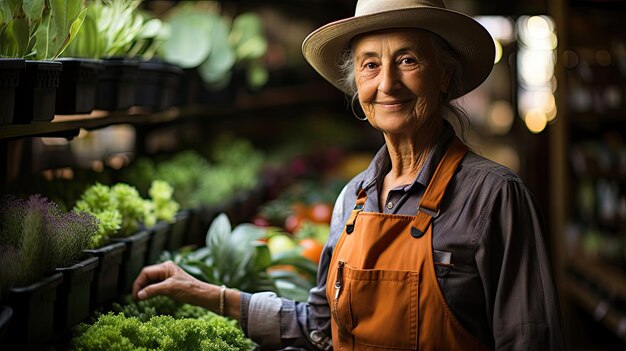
x=368, y=7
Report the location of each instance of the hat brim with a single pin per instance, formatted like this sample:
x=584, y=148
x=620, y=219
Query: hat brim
x=472, y=44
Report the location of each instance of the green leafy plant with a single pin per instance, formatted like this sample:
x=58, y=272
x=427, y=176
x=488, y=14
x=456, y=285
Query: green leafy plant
x=237, y=257
x=165, y=208
x=200, y=37
x=133, y=209
x=118, y=332
x=247, y=38
x=39, y=29
x=36, y=237
x=119, y=208
x=117, y=28
x=97, y=201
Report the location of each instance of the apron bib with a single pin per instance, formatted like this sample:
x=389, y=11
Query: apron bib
x=382, y=288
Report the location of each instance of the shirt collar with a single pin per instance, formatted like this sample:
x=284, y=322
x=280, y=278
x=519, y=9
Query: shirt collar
x=381, y=163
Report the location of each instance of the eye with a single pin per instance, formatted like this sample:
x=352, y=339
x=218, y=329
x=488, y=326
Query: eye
x=408, y=60
x=370, y=65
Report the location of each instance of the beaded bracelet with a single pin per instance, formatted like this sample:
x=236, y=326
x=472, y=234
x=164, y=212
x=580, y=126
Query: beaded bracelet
x=222, y=292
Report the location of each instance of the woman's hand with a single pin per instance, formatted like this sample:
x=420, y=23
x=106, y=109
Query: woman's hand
x=170, y=280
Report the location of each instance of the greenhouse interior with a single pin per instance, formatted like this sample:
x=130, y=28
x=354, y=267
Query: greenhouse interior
x=121, y=119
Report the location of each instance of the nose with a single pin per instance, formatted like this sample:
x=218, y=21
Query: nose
x=389, y=79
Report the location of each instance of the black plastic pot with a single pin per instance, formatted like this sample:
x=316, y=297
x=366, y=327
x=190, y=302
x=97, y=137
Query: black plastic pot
x=35, y=96
x=202, y=219
x=104, y=287
x=9, y=80
x=32, y=325
x=77, y=86
x=116, y=84
x=73, y=295
x=178, y=230
x=6, y=313
x=158, y=238
x=158, y=85
x=133, y=260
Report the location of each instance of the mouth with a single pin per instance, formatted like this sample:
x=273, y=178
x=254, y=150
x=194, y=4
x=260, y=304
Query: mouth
x=392, y=104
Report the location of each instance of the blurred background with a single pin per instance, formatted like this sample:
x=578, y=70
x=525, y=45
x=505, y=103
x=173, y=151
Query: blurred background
x=553, y=110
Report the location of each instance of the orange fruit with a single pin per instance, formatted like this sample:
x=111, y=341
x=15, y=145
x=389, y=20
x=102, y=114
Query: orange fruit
x=321, y=213
x=311, y=249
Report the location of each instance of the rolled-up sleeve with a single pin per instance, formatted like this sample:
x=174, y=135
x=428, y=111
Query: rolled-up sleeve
x=513, y=260
x=276, y=323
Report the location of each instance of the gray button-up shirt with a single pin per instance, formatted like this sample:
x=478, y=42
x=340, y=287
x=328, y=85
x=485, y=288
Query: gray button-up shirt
x=499, y=285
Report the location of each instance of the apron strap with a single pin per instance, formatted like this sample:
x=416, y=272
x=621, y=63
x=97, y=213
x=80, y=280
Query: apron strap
x=437, y=187
x=358, y=207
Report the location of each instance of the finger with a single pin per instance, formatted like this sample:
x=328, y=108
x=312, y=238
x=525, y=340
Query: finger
x=151, y=290
x=149, y=275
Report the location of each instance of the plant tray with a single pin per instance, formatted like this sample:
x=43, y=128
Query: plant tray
x=133, y=260
x=77, y=86
x=178, y=230
x=158, y=238
x=158, y=85
x=32, y=325
x=73, y=295
x=104, y=286
x=116, y=84
x=35, y=96
x=9, y=80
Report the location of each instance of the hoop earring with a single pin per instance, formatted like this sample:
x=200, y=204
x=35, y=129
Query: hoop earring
x=360, y=117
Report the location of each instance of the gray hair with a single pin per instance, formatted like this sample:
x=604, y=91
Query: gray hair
x=456, y=115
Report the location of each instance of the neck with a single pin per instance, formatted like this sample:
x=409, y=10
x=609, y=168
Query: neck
x=409, y=151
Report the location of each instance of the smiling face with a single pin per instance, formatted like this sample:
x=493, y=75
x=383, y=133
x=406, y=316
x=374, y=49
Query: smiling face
x=398, y=79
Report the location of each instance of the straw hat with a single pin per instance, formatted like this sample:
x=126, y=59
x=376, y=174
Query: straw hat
x=470, y=41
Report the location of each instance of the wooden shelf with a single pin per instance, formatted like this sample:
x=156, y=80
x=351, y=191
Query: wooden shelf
x=68, y=126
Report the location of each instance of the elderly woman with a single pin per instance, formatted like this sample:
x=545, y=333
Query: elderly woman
x=432, y=247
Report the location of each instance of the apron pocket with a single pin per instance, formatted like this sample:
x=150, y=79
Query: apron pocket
x=382, y=307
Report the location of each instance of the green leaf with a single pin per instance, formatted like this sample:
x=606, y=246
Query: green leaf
x=33, y=9
x=222, y=57
x=74, y=30
x=151, y=28
x=188, y=44
x=252, y=48
x=263, y=258
x=86, y=42
x=257, y=75
x=245, y=26
x=14, y=38
x=295, y=259
x=219, y=231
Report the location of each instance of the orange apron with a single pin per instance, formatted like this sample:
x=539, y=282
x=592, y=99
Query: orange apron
x=382, y=288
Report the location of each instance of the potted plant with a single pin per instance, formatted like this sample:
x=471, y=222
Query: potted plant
x=164, y=209
x=9, y=80
x=209, y=46
x=240, y=258
x=38, y=31
x=122, y=202
x=159, y=323
x=36, y=239
x=110, y=27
